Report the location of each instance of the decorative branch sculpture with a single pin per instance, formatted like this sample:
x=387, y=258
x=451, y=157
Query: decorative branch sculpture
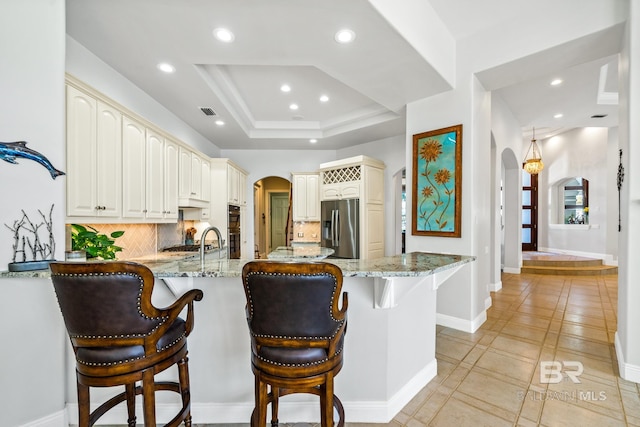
x=26, y=233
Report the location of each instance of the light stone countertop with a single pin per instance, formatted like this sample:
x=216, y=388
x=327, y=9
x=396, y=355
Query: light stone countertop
x=414, y=264
x=300, y=252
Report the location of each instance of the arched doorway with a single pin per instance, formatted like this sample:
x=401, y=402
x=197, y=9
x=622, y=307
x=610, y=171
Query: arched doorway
x=511, y=250
x=271, y=204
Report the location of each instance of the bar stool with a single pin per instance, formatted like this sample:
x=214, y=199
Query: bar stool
x=297, y=333
x=119, y=337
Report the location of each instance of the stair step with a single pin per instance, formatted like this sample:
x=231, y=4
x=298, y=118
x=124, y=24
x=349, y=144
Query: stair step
x=586, y=270
x=586, y=262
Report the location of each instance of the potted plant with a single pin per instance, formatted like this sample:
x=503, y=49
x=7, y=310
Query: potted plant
x=95, y=245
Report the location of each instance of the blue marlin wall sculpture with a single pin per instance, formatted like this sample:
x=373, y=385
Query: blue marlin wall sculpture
x=10, y=150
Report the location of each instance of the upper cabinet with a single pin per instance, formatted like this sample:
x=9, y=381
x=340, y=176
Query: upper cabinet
x=123, y=169
x=229, y=182
x=94, y=157
x=306, y=196
x=195, y=181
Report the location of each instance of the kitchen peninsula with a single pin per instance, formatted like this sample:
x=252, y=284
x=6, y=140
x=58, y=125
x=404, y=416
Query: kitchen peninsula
x=389, y=346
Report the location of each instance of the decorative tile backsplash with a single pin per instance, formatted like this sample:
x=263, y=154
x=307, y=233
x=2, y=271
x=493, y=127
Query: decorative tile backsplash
x=309, y=230
x=138, y=239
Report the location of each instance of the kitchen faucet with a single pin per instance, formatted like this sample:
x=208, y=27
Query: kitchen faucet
x=204, y=235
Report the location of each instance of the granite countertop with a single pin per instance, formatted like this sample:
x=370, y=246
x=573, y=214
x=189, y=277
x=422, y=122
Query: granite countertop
x=301, y=252
x=413, y=264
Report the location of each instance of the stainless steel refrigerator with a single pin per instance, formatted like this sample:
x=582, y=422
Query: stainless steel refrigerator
x=340, y=228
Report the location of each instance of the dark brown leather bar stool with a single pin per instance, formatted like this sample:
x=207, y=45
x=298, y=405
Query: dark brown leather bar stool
x=297, y=333
x=119, y=337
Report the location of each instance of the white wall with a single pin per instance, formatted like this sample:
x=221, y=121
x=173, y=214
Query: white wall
x=32, y=109
x=579, y=152
x=627, y=342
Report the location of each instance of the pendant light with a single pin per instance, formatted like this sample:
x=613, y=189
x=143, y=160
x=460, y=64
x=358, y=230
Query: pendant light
x=533, y=160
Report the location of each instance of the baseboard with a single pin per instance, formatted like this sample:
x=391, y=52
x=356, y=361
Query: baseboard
x=461, y=324
x=627, y=371
x=511, y=270
x=289, y=412
x=57, y=419
x=488, y=302
x=495, y=287
x=607, y=259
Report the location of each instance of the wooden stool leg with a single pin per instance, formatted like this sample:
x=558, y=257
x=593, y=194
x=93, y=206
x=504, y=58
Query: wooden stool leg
x=275, y=393
x=149, y=398
x=260, y=411
x=130, y=390
x=83, y=405
x=183, y=374
x=326, y=402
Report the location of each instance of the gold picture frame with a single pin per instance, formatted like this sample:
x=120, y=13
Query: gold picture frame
x=437, y=183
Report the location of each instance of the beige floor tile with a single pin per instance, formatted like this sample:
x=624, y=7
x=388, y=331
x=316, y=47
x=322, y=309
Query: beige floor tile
x=460, y=414
x=526, y=332
x=579, y=345
x=559, y=413
x=453, y=348
x=516, y=346
x=587, y=332
x=506, y=364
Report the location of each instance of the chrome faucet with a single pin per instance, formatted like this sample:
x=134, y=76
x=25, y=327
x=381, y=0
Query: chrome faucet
x=202, y=242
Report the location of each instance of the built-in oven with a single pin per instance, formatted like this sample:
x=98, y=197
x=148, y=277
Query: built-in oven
x=233, y=240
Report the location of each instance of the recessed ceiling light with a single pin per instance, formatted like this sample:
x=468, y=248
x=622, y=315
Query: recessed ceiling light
x=167, y=68
x=293, y=107
x=219, y=122
x=285, y=88
x=223, y=35
x=345, y=36
x=313, y=140
x=324, y=98
x=558, y=116
x=556, y=82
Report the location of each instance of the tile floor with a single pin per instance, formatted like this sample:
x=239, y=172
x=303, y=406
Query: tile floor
x=493, y=377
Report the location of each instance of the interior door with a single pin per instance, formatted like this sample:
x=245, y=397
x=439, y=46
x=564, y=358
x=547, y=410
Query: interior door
x=279, y=208
x=529, y=212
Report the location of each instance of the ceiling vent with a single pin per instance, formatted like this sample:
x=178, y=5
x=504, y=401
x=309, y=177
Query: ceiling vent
x=207, y=111
x=598, y=116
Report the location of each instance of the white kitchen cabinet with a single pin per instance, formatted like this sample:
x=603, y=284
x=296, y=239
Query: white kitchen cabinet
x=233, y=185
x=171, y=179
x=359, y=177
x=306, y=196
x=94, y=165
x=150, y=174
x=195, y=180
x=134, y=152
x=341, y=190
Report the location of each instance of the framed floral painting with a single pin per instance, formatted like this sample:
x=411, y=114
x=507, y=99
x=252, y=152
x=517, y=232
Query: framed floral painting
x=437, y=182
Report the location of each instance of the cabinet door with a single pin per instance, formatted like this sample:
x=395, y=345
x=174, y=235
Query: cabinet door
x=232, y=185
x=299, y=198
x=154, y=194
x=109, y=161
x=133, y=169
x=184, y=185
x=171, y=159
x=205, y=178
x=350, y=190
x=373, y=239
x=313, y=197
x=331, y=191
x=81, y=154
x=196, y=176
x=242, y=188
